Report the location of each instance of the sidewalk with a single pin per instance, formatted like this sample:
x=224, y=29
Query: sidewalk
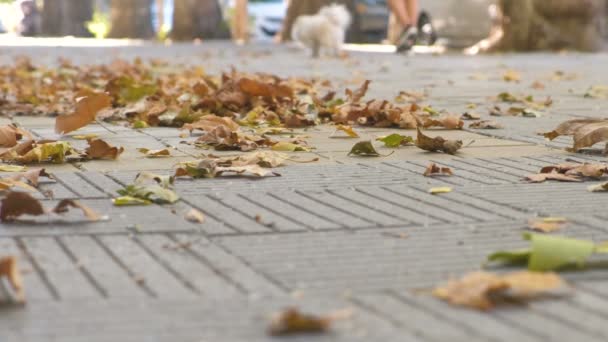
x=345, y=232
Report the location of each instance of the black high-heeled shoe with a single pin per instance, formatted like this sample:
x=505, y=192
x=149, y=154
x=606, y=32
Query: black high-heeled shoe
x=426, y=32
x=407, y=39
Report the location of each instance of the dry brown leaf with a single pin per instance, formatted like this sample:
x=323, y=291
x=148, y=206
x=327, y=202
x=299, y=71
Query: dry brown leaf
x=483, y=290
x=155, y=153
x=350, y=132
x=10, y=134
x=486, y=124
x=99, y=149
x=32, y=176
x=511, y=76
x=584, y=170
x=470, y=116
x=448, y=122
x=358, y=94
x=64, y=205
x=195, y=216
x=434, y=170
x=586, y=132
x=258, y=88
x=547, y=224
x=473, y=290
x=292, y=321
x=541, y=177
x=87, y=108
x=210, y=122
x=437, y=144
x=16, y=204
x=9, y=269
x=537, y=85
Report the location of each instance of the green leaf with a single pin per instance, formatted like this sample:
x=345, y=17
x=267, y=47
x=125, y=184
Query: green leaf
x=289, y=147
x=514, y=257
x=364, y=148
x=553, y=252
x=395, y=140
x=128, y=201
x=154, y=193
x=139, y=124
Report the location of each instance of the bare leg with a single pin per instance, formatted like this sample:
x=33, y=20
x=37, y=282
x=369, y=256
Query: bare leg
x=405, y=11
x=240, y=21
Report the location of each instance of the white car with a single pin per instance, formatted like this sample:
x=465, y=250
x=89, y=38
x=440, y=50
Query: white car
x=265, y=17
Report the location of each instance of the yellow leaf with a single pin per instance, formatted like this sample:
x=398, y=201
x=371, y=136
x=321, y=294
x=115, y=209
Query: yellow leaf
x=12, y=168
x=350, y=132
x=441, y=190
x=85, y=136
x=155, y=153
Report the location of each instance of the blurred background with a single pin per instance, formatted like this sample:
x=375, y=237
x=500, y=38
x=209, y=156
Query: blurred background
x=523, y=24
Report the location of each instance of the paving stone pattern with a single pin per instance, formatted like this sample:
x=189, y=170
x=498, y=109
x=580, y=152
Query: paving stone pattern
x=343, y=233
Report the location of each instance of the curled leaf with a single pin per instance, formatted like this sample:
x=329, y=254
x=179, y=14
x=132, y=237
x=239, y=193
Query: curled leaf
x=16, y=204
x=86, y=110
x=364, y=149
x=155, y=153
x=396, y=140
x=292, y=321
x=434, y=170
x=486, y=124
x=289, y=147
x=586, y=132
x=99, y=149
x=440, y=190
x=437, y=144
x=350, y=132
x=9, y=270
x=541, y=177
x=483, y=290
x=195, y=216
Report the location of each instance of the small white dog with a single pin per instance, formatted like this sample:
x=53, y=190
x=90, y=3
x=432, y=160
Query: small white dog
x=325, y=30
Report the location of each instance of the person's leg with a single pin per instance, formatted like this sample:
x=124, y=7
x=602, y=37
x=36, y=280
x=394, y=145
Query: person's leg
x=400, y=9
x=241, y=21
x=412, y=11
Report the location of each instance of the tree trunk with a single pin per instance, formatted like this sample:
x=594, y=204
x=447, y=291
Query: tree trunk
x=198, y=19
x=308, y=7
x=531, y=25
x=131, y=19
x=66, y=18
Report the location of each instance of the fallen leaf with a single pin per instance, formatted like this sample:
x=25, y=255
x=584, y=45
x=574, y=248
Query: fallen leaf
x=292, y=321
x=583, y=170
x=437, y=144
x=396, y=140
x=486, y=124
x=15, y=204
x=155, y=153
x=537, y=85
x=99, y=149
x=257, y=88
x=289, y=147
x=64, y=205
x=33, y=152
x=129, y=201
x=448, y=122
x=598, y=188
x=483, y=290
x=9, y=270
x=547, y=224
x=10, y=134
x=434, y=170
x=12, y=168
x=586, y=132
x=85, y=136
x=148, y=187
x=470, y=116
x=195, y=216
x=357, y=95
x=541, y=177
x=511, y=76
x=440, y=190
x=364, y=149
x=548, y=253
x=597, y=92
x=209, y=168
x=350, y=132
x=209, y=122
x=86, y=110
